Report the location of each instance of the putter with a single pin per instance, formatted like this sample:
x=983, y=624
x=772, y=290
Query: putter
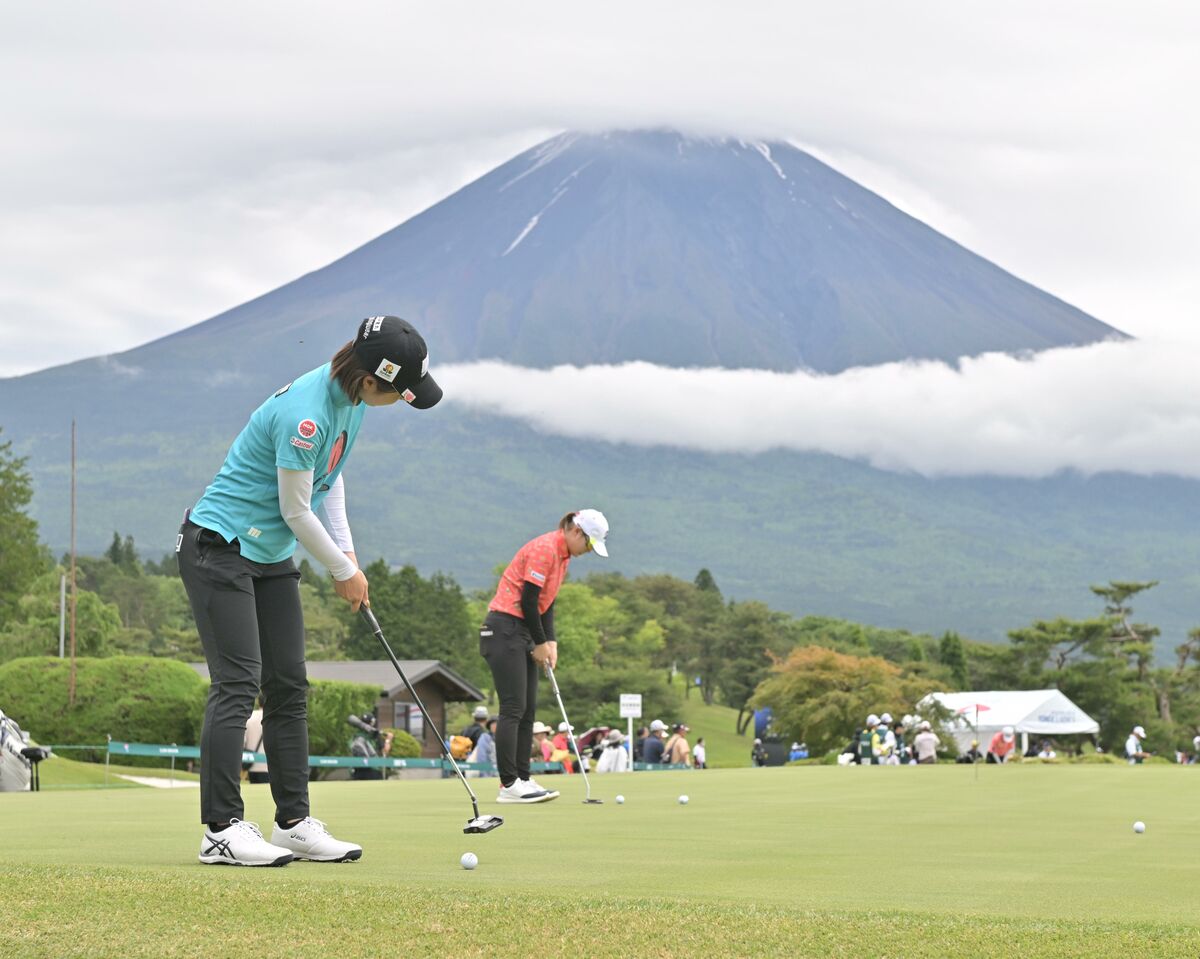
x=571, y=734
x=477, y=823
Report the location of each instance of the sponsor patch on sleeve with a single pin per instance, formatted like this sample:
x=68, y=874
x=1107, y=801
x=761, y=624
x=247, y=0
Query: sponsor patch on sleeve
x=301, y=444
x=537, y=577
x=307, y=429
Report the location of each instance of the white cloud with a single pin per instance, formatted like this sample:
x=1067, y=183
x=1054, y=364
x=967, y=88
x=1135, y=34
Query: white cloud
x=1117, y=406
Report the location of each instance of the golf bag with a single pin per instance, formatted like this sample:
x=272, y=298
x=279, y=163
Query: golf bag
x=15, y=769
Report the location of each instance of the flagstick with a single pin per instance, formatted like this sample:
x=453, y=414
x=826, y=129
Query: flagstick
x=975, y=755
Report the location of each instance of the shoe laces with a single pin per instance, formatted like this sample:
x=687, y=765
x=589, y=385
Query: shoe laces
x=242, y=826
x=309, y=821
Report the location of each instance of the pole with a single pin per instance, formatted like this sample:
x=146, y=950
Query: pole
x=62, y=615
x=74, y=591
x=629, y=742
x=975, y=751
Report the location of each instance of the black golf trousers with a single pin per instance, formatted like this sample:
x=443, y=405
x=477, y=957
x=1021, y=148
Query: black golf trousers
x=250, y=623
x=505, y=643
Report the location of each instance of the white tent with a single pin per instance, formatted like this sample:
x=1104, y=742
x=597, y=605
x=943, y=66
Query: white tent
x=1037, y=712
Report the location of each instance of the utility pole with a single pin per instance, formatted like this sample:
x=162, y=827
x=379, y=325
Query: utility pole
x=62, y=615
x=74, y=592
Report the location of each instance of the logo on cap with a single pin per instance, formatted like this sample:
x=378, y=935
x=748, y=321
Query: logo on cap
x=307, y=428
x=387, y=370
x=408, y=396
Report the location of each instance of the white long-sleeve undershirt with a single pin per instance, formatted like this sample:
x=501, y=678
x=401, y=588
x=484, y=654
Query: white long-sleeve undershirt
x=332, y=512
x=295, y=506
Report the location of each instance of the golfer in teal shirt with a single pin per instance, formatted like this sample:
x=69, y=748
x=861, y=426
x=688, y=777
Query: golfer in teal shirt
x=235, y=558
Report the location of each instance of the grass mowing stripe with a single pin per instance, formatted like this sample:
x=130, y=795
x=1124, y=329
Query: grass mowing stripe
x=57, y=912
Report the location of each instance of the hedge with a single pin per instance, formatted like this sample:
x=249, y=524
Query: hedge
x=144, y=699
x=132, y=698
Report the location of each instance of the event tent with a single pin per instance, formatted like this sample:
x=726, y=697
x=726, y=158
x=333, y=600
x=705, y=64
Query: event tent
x=1036, y=712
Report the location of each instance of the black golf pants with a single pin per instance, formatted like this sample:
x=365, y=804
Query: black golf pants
x=250, y=623
x=505, y=643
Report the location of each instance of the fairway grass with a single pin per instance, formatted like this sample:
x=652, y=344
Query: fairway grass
x=810, y=861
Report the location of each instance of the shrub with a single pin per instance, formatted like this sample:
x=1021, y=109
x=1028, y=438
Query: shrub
x=404, y=746
x=330, y=702
x=131, y=698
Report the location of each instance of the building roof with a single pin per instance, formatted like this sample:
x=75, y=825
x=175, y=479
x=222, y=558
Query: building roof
x=381, y=673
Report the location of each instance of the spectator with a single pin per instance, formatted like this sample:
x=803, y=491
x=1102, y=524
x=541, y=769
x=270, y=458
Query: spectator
x=256, y=772
x=886, y=748
x=473, y=732
x=1003, y=746
x=614, y=759
x=639, y=744
x=972, y=755
x=866, y=751
x=1046, y=751
x=698, y=755
x=676, y=749
x=758, y=753
x=542, y=747
x=652, y=752
x=485, y=749
x=904, y=748
x=794, y=753
x=1133, y=747
x=926, y=745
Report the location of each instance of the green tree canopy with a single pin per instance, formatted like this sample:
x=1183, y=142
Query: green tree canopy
x=22, y=556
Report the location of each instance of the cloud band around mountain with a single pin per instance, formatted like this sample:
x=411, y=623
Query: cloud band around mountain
x=1115, y=406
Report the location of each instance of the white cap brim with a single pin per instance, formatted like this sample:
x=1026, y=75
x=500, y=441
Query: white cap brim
x=598, y=546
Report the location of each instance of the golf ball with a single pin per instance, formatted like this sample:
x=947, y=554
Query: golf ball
x=683, y=800
x=1139, y=826
x=469, y=860
x=620, y=799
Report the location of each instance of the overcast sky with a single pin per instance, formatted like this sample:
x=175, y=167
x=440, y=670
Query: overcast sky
x=163, y=162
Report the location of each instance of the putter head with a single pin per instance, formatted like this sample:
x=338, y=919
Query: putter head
x=483, y=824
x=593, y=802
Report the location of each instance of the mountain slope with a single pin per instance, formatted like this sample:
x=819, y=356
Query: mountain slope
x=600, y=249
x=644, y=246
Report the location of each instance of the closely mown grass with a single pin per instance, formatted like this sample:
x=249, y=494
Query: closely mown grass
x=1022, y=862
x=58, y=772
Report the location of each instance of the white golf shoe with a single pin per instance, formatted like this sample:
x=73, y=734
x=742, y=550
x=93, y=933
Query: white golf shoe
x=241, y=844
x=536, y=785
x=309, y=839
x=524, y=791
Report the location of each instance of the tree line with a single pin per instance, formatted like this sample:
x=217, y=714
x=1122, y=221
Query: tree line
x=820, y=675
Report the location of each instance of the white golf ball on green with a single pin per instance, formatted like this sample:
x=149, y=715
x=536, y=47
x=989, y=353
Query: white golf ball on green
x=620, y=799
x=469, y=860
x=1139, y=826
x=683, y=800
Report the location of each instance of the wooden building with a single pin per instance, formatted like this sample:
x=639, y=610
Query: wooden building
x=435, y=682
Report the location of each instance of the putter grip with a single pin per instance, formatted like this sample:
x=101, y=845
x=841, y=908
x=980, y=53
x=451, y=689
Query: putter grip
x=369, y=617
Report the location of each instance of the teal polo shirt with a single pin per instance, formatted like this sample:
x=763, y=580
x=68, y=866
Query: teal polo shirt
x=310, y=424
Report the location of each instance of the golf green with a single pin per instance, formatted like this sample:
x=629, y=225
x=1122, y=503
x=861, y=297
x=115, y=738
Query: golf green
x=827, y=861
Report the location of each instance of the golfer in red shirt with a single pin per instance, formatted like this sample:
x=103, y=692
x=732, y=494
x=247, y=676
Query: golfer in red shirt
x=517, y=638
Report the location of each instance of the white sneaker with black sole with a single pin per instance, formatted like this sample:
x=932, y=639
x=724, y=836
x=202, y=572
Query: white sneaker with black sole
x=309, y=839
x=536, y=785
x=523, y=791
x=241, y=844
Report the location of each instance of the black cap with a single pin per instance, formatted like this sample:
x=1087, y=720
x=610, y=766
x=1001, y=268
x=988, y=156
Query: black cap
x=392, y=351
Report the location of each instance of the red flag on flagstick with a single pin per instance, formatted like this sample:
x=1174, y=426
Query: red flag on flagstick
x=978, y=707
